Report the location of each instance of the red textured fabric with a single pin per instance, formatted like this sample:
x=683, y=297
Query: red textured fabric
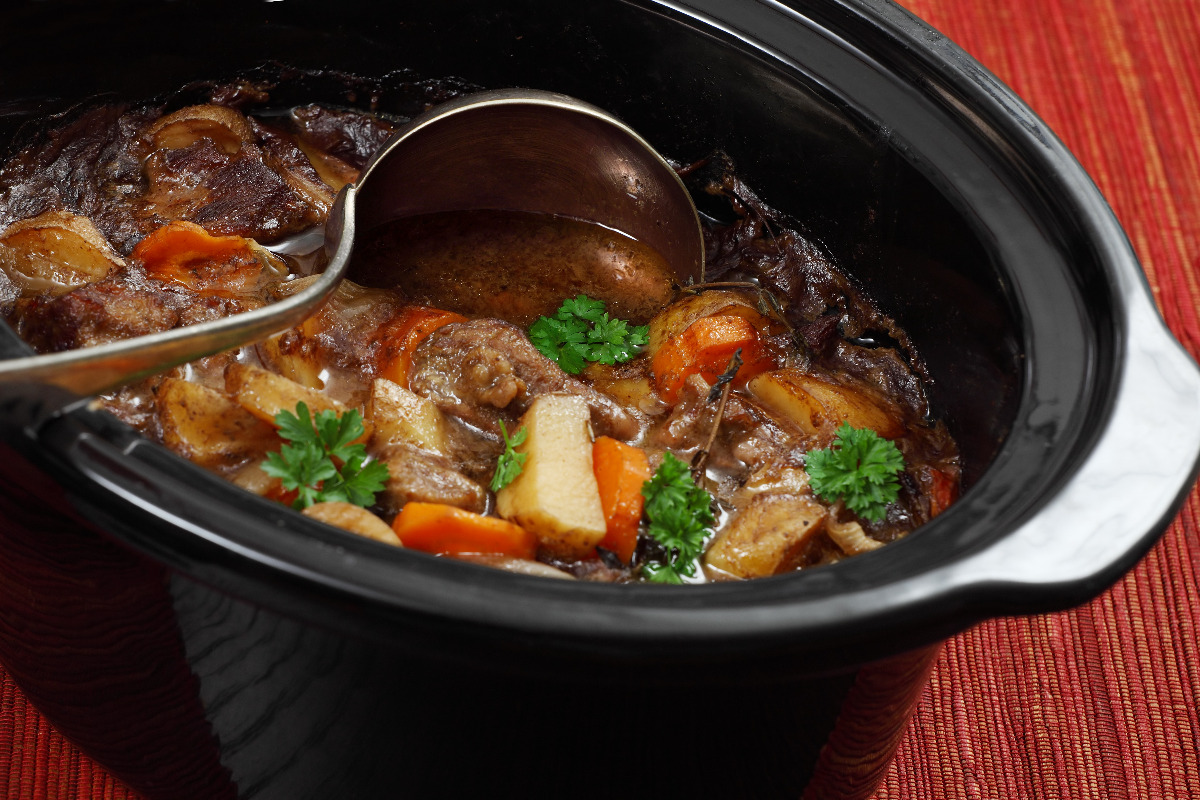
x=1098, y=702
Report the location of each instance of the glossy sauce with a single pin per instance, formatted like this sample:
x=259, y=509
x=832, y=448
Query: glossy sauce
x=513, y=264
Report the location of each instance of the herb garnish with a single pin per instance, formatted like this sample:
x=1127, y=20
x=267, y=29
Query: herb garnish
x=508, y=466
x=860, y=468
x=680, y=515
x=309, y=465
x=581, y=331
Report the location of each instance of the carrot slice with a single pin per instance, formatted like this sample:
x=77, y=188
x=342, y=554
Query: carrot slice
x=182, y=252
x=943, y=491
x=620, y=469
x=704, y=348
x=401, y=335
x=446, y=530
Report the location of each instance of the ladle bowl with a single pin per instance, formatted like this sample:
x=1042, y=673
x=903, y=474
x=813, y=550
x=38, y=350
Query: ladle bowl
x=510, y=150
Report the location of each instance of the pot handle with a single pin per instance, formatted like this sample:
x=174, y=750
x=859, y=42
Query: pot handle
x=1125, y=494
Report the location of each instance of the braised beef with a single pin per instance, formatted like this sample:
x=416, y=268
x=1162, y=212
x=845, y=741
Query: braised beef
x=485, y=370
x=350, y=136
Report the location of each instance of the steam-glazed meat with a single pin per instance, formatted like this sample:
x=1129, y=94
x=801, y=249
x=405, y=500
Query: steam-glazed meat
x=91, y=167
x=475, y=370
x=351, y=137
x=230, y=194
x=124, y=305
x=424, y=477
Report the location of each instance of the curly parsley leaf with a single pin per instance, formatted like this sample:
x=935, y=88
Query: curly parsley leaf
x=614, y=342
x=860, y=468
x=508, y=466
x=681, y=518
x=309, y=464
x=563, y=340
x=581, y=331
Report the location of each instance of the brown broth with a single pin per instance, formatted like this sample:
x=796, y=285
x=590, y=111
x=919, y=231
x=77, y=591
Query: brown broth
x=514, y=265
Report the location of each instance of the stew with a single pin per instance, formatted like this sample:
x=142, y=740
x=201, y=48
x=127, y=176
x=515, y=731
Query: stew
x=510, y=402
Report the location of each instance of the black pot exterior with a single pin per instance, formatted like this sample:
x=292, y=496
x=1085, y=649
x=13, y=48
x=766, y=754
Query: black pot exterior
x=204, y=643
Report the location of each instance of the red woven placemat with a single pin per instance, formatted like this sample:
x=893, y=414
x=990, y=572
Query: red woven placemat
x=1099, y=702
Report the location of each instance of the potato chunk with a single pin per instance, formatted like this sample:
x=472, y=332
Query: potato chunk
x=766, y=536
x=819, y=406
x=264, y=394
x=55, y=252
x=556, y=496
x=209, y=428
x=399, y=416
x=672, y=321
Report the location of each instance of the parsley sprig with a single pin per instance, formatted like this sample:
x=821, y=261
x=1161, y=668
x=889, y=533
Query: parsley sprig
x=309, y=465
x=860, y=468
x=680, y=515
x=581, y=331
x=509, y=465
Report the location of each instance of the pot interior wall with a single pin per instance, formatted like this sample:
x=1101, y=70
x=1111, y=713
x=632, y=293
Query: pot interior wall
x=689, y=90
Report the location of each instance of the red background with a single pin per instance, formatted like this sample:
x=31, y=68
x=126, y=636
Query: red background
x=1098, y=702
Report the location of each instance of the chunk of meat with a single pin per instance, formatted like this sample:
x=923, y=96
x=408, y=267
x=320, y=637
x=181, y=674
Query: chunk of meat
x=485, y=370
x=747, y=439
x=231, y=194
x=282, y=153
x=92, y=167
x=118, y=307
x=350, y=136
x=767, y=536
x=420, y=476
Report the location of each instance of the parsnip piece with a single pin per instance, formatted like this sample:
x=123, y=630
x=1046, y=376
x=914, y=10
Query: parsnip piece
x=252, y=478
x=264, y=394
x=771, y=478
x=56, y=251
x=819, y=407
x=225, y=127
x=289, y=355
x=355, y=519
x=209, y=428
x=850, y=537
x=766, y=535
x=556, y=496
x=400, y=416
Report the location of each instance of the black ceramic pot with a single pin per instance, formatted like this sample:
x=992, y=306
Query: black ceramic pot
x=203, y=643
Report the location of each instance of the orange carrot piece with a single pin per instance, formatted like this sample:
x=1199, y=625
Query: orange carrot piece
x=446, y=530
x=184, y=253
x=943, y=491
x=620, y=469
x=704, y=348
x=401, y=335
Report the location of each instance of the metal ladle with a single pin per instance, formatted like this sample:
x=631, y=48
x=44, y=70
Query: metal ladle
x=513, y=149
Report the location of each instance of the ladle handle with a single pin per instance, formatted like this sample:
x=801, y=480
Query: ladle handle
x=92, y=370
